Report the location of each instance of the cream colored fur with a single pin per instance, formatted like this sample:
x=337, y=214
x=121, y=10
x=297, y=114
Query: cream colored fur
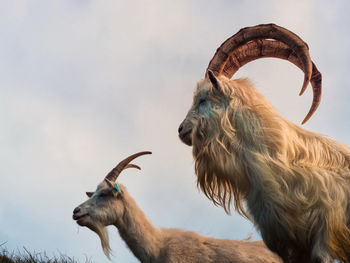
x=161, y=245
x=293, y=184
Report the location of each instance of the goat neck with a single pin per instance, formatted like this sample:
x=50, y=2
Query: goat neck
x=142, y=237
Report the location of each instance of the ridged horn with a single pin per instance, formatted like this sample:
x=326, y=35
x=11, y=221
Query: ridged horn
x=262, y=48
x=267, y=31
x=124, y=164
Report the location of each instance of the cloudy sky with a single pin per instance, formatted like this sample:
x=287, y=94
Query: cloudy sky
x=85, y=83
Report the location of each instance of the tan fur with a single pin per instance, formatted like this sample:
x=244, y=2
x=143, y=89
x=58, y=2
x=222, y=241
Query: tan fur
x=161, y=245
x=294, y=184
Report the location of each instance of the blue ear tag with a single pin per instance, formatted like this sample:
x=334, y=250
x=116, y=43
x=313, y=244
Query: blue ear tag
x=116, y=187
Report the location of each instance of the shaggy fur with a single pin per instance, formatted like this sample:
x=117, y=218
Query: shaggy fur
x=160, y=245
x=293, y=184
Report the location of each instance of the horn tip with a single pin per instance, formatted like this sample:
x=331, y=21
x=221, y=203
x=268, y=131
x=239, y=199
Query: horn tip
x=306, y=82
x=306, y=118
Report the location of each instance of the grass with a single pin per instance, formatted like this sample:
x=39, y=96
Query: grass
x=26, y=256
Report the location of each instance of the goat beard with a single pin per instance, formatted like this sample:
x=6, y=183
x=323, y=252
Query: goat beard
x=212, y=176
x=102, y=233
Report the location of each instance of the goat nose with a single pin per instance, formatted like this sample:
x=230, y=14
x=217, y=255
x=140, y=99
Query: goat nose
x=76, y=210
x=180, y=128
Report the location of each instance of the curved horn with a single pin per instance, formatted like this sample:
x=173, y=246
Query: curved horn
x=130, y=165
x=264, y=31
x=262, y=48
x=113, y=175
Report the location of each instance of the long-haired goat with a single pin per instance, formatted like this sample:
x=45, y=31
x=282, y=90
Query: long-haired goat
x=293, y=184
x=111, y=204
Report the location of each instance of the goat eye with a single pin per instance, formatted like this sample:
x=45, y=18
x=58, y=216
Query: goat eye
x=201, y=101
x=103, y=194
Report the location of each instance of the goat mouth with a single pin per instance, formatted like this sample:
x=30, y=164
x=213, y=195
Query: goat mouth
x=80, y=218
x=186, y=137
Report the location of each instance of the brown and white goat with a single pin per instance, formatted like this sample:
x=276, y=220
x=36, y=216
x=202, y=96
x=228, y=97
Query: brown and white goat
x=111, y=204
x=294, y=184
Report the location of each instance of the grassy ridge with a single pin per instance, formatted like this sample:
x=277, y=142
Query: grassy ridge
x=33, y=257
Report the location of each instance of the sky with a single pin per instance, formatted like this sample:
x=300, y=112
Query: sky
x=84, y=84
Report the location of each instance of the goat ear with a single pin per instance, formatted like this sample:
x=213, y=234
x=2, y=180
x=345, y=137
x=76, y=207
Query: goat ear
x=89, y=194
x=213, y=79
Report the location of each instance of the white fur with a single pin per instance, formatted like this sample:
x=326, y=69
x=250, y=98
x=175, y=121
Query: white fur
x=294, y=184
x=161, y=245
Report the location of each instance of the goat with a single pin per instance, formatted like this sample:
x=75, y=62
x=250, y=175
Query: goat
x=292, y=183
x=111, y=204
